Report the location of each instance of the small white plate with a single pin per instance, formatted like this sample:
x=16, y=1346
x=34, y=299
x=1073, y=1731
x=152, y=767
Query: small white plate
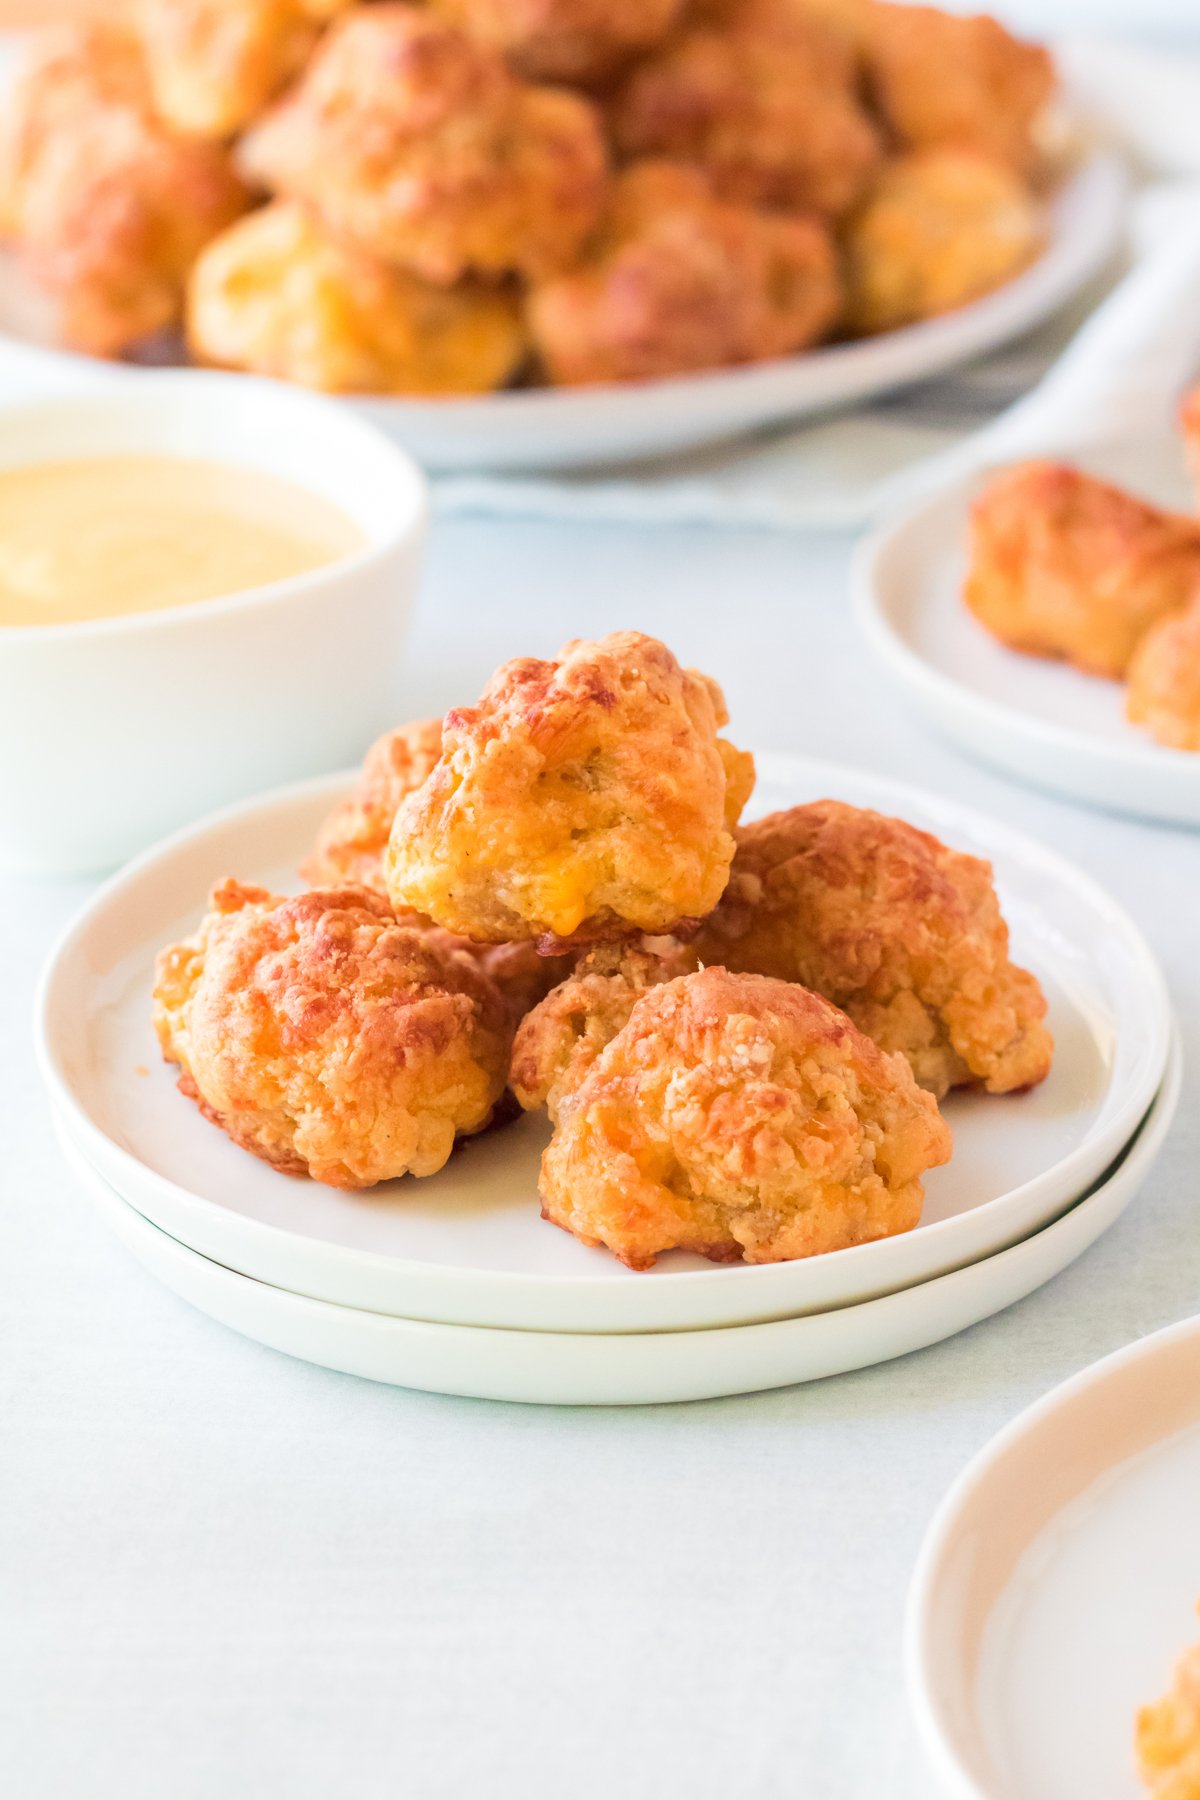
x=1058, y=1583
x=548, y=428
x=467, y=1246
x=562, y=1369
x=1044, y=722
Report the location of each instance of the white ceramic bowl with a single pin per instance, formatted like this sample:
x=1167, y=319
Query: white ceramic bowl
x=115, y=731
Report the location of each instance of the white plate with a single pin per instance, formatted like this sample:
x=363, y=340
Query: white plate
x=562, y=1369
x=467, y=1246
x=567, y=428
x=1046, y=723
x=1058, y=1583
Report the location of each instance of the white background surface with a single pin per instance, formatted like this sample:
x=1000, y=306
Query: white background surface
x=226, y=1574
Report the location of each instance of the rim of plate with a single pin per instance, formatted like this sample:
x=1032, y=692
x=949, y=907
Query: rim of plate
x=1097, y=186
x=874, y=1331
x=920, y=1618
x=773, y=767
x=873, y=615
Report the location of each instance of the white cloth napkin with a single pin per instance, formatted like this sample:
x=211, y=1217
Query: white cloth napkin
x=843, y=471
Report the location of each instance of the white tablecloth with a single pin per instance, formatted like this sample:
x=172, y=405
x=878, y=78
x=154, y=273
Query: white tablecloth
x=225, y=1575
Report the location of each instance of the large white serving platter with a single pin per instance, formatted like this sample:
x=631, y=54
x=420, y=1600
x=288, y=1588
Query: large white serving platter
x=468, y=1246
x=547, y=428
x=1044, y=722
x=1058, y=1583
x=633, y=1369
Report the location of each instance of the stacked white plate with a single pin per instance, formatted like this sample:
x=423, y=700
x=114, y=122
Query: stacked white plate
x=454, y=1283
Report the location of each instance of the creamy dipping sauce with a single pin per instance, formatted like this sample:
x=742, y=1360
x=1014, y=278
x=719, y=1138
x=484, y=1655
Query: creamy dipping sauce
x=103, y=536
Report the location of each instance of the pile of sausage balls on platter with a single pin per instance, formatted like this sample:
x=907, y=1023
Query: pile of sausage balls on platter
x=740, y=1033
x=469, y=194
x=1065, y=566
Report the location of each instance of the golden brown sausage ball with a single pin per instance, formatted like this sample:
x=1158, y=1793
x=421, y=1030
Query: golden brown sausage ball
x=1067, y=566
x=573, y=41
x=739, y=1117
x=831, y=28
x=214, y=64
x=418, y=144
x=682, y=281
x=1189, y=422
x=588, y=798
x=353, y=838
x=329, y=1039
x=1164, y=680
x=279, y=295
x=943, y=79
x=905, y=935
x=769, y=117
x=350, y=848
x=67, y=71
x=940, y=228
x=110, y=209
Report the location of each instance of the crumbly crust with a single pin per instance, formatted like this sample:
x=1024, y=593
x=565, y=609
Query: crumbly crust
x=939, y=228
x=739, y=1117
x=418, y=144
x=679, y=279
x=327, y=1037
x=903, y=933
x=583, y=799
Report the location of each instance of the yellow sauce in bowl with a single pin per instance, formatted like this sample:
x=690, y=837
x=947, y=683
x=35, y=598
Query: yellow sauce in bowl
x=99, y=537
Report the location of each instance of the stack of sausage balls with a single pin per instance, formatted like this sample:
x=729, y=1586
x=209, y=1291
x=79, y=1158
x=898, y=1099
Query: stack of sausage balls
x=740, y=1033
x=452, y=197
x=1064, y=565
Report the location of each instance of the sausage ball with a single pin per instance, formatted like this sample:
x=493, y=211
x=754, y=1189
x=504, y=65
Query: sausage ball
x=279, y=295
x=1064, y=565
x=1189, y=421
x=945, y=80
x=1168, y=1736
x=416, y=142
x=67, y=72
x=573, y=41
x=1164, y=680
x=770, y=117
x=214, y=64
x=905, y=935
x=561, y=1038
x=679, y=281
x=739, y=1117
x=109, y=208
x=941, y=227
x=833, y=29
x=352, y=839
x=589, y=798
x=350, y=848
x=328, y=1038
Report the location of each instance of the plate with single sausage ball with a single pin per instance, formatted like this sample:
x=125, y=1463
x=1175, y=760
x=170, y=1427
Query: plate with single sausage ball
x=542, y=237
x=567, y=1013
x=1046, y=616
